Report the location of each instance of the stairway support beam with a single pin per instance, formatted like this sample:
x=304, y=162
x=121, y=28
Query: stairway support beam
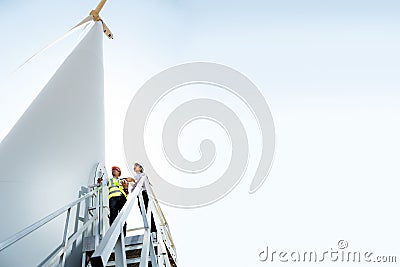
x=65, y=237
x=120, y=256
x=146, y=237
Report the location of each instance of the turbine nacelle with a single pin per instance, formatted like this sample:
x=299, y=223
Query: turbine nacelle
x=95, y=16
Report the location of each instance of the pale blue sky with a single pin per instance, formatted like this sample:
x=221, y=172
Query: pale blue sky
x=329, y=71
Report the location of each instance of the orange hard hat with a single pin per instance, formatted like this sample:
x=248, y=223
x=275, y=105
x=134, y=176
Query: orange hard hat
x=116, y=168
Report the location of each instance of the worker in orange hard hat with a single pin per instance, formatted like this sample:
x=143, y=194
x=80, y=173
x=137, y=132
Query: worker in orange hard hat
x=117, y=195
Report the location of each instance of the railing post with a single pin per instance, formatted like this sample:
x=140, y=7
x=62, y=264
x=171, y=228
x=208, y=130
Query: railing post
x=119, y=252
x=87, y=231
x=78, y=216
x=153, y=257
x=144, y=256
x=65, y=237
x=96, y=222
x=143, y=211
x=101, y=216
x=147, y=246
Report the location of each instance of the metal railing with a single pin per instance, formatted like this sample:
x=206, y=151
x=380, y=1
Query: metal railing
x=60, y=252
x=93, y=198
x=163, y=224
x=112, y=240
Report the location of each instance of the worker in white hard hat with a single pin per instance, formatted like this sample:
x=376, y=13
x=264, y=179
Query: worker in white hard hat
x=139, y=174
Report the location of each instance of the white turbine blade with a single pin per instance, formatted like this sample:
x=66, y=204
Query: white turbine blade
x=85, y=22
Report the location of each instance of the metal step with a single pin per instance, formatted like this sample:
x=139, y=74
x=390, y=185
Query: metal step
x=132, y=251
x=88, y=242
x=134, y=262
x=133, y=240
x=130, y=254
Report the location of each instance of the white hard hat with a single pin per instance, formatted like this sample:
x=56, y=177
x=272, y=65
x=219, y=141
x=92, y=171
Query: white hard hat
x=138, y=163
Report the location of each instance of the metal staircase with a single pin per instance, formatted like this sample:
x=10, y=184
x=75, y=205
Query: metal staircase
x=109, y=247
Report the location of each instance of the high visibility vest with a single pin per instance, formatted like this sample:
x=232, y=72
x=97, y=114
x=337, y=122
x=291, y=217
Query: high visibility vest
x=115, y=189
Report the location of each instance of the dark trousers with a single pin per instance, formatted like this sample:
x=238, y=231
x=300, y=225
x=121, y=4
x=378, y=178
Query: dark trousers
x=116, y=204
x=146, y=203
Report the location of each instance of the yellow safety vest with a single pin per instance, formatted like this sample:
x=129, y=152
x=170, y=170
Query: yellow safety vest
x=114, y=188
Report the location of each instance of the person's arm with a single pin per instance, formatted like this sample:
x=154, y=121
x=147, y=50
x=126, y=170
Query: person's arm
x=130, y=180
x=102, y=182
x=125, y=182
